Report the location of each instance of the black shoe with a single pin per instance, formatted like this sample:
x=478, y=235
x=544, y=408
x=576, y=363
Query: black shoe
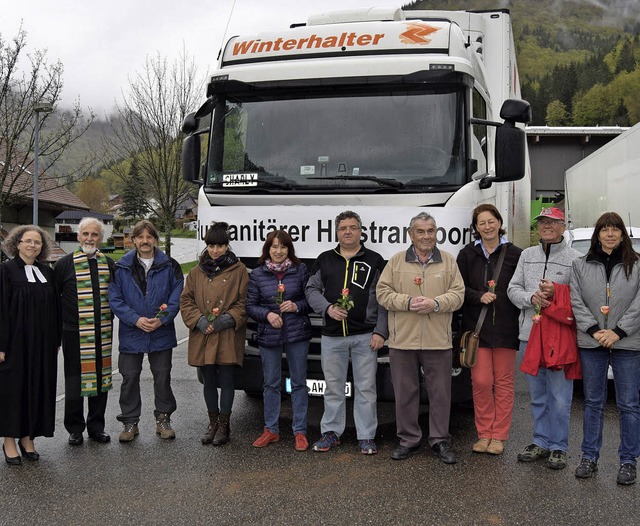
x=29, y=455
x=100, y=437
x=75, y=439
x=402, y=452
x=586, y=469
x=626, y=475
x=12, y=461
x=443, y=451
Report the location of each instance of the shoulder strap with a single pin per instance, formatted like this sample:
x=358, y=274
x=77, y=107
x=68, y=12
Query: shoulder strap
x=484, y=310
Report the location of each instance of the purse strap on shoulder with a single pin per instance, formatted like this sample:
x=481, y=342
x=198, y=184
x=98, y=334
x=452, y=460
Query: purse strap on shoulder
x=483, y=312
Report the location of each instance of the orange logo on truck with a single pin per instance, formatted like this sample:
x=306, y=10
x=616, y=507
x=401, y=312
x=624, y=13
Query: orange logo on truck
x=417, y=33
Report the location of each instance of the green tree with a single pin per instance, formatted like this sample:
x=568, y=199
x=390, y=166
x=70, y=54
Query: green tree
x=135, y=200
x=557, y=114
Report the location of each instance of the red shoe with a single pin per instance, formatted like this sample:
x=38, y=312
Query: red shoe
x=266, y=438
x=301, y=442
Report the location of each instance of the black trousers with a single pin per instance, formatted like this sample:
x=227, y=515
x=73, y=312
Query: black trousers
x=74, y=421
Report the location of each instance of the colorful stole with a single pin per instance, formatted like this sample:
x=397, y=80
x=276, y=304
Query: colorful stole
x=87, y=324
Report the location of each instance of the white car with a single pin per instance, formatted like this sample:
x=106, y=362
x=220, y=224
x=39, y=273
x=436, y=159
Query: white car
x=580, y=239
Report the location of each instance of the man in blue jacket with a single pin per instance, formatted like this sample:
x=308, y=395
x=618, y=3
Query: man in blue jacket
x=342, y=288
x=145, y=296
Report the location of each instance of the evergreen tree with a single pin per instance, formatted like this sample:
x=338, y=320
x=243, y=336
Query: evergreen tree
x=135, y=200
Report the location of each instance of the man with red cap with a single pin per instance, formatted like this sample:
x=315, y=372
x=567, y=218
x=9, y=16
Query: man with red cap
x=539, y=287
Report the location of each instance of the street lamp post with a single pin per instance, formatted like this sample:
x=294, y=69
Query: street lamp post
x=38, y=108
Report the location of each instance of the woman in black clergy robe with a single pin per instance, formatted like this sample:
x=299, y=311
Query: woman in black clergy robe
x=29, y=341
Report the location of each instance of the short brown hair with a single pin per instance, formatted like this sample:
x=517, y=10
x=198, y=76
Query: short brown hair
x=485, y=208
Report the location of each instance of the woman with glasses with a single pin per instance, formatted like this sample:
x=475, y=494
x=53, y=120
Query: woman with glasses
x=29, y=341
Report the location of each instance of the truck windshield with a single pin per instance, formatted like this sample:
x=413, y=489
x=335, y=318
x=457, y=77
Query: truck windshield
x=397, y=140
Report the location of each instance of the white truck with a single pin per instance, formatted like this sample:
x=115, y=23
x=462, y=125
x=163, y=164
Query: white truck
x=382, y=111
x=605, y=181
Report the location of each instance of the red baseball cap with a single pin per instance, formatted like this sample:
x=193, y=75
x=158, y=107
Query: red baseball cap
x=551, y=213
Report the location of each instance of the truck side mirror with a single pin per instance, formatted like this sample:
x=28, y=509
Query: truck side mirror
x=191, y=159
x=510, y=152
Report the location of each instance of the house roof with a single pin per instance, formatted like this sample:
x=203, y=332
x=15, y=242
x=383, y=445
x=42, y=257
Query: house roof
x=51, y=194
x=72, y=215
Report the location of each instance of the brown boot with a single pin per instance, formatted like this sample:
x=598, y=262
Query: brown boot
x=207, y=438
x=223, y=431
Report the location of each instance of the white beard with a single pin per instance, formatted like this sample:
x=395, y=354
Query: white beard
x=89, y=251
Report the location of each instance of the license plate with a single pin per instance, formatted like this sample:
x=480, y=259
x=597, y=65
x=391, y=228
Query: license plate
x=317, y=387
x=248, y=179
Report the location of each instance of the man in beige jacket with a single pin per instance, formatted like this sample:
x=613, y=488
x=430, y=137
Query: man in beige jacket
x=421, y=288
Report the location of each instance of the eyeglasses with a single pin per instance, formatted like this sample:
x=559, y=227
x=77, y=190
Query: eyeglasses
x=550, y=222
x=31, y=242
x=348, y=228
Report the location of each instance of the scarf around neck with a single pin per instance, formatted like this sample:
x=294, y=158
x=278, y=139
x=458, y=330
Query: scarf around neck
x=277, y=268
x=88, y=325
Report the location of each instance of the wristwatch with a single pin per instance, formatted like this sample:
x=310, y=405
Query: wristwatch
x=437, y=307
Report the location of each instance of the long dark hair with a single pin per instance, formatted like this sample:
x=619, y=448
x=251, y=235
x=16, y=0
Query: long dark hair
x=284, y=238
x=629, y=256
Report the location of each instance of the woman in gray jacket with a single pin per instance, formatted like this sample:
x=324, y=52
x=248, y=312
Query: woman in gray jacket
x=605, y=294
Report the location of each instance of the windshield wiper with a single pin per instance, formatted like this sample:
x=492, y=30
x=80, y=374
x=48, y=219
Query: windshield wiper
x=383, y=182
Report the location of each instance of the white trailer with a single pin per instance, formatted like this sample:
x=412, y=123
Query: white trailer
x=606, y=181
x=382, y=111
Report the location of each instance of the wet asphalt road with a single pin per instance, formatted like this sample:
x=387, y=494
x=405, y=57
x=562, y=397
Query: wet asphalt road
x=152, y=481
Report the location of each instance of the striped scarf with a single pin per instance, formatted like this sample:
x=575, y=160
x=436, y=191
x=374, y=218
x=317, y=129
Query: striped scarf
x=88, y=326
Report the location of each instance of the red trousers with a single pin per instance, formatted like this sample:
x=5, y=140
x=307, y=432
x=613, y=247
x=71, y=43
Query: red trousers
x=493, y=392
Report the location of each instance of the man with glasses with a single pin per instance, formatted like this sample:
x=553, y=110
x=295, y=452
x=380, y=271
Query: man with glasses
x=342, y=288
x=540, y=282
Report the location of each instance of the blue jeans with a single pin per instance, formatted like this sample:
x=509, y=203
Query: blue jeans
x=551, y=395
x=272, y=373
x=626, y=377
x=335, y=362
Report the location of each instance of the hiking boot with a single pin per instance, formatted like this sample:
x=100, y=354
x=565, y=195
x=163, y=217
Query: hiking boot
x=207, y=438
x=626, y=475
x=557, y=460
x=481, y=445
x=496, y=447
x=163, y=427
x=223, y=432
x=367, y=447
x=302, y=444
x=326, y=442
x=266, y=438
x=533, y=452
x=586, y=469
x=129, y=432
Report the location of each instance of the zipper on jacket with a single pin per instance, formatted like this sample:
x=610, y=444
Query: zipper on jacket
x=345, y=327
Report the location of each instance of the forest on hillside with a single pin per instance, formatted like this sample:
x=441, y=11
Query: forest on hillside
x=579, y=60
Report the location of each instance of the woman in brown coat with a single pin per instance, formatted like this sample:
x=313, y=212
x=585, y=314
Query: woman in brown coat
x=213, y=307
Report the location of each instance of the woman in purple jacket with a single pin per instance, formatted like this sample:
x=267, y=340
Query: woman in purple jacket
x=276, y=300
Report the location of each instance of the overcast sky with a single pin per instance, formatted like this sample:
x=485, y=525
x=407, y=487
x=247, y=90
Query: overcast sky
x=103, y=43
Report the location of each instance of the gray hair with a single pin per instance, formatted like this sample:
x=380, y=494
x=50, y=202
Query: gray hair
x=85, y=221
x=422, y=216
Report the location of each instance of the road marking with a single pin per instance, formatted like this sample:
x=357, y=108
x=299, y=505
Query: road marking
x=60, y=398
